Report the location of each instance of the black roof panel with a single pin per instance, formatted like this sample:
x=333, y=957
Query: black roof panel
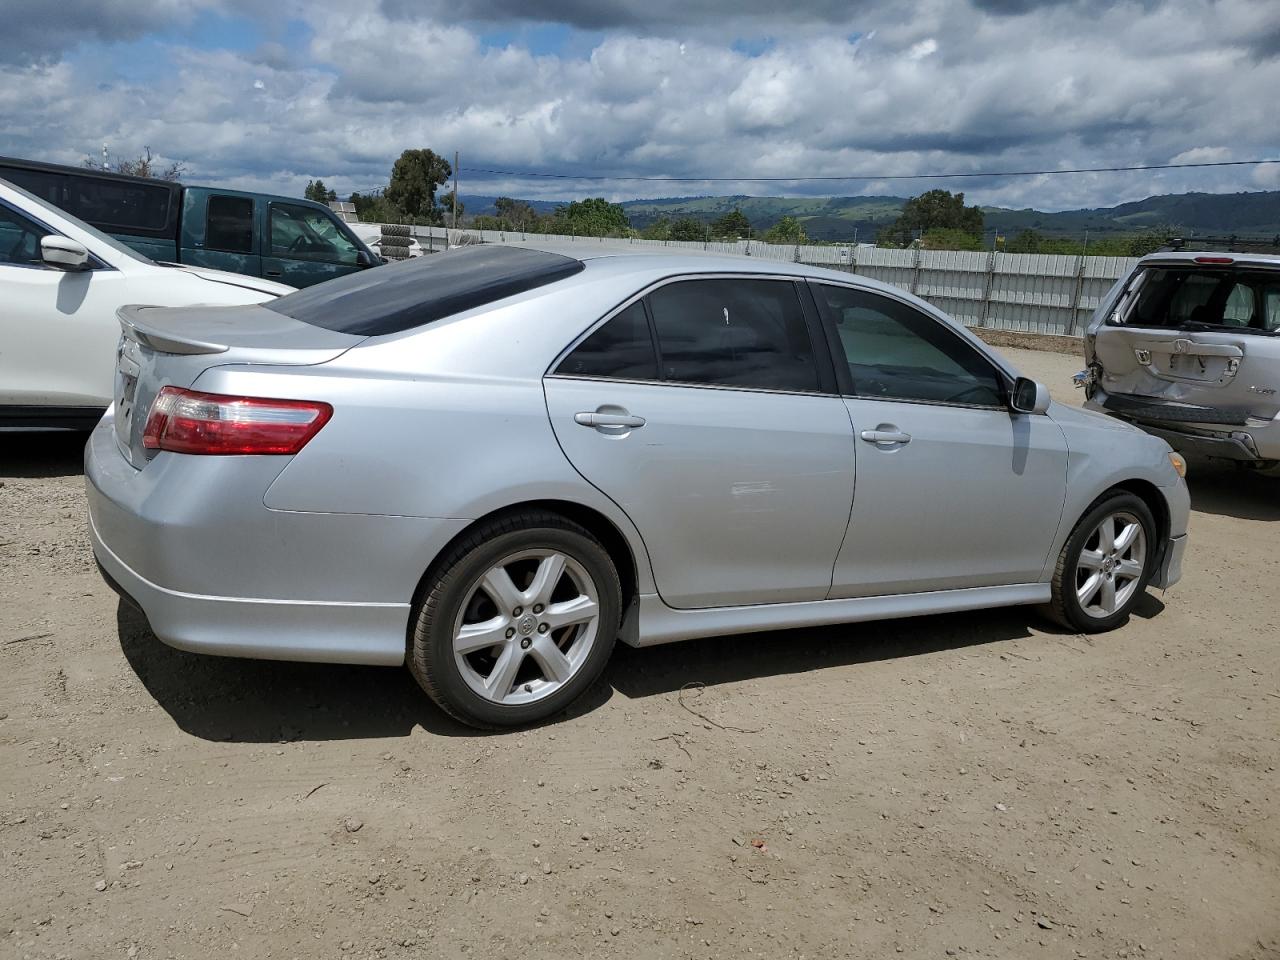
x=398, y=297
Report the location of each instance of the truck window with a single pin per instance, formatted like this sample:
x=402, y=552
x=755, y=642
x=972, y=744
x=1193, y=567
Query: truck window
x=119, y=205
x=229, y=224
x=305, y=233
x=45, y=185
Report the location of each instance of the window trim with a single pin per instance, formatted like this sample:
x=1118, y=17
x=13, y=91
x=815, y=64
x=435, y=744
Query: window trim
x=253, y=215
x=822, y=359
x=845, y=379
x=95, y=262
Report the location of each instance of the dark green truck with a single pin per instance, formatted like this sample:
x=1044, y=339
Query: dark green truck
x=291, y=241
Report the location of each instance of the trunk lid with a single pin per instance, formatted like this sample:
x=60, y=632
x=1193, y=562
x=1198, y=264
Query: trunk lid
x=1193, y=343
x=161, y=346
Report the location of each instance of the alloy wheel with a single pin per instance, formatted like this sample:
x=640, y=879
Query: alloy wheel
x=526, y=627
x=1111, y=565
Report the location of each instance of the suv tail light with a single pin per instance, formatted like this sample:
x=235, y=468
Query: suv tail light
x=187, y=421
x=1215, y=260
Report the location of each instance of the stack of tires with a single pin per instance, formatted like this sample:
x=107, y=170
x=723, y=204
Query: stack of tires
x=396, y=241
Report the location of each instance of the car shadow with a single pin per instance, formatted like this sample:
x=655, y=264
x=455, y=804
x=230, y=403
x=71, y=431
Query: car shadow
x=273, y=701
x=1226, y=490
x=649, y=671
x=262, y=701
x=42, y=454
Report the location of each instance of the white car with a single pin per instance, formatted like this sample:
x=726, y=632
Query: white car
x=61, y=283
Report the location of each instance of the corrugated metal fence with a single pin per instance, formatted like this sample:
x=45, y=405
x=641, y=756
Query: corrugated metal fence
x=1038, y=293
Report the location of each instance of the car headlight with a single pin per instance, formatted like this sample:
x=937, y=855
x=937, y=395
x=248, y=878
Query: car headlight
x=1179, y=463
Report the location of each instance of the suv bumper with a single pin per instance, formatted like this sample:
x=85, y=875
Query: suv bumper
x=1227, y=435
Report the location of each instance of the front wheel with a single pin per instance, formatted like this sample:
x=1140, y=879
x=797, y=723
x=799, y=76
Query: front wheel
x=519, y=621
x=1105, y=565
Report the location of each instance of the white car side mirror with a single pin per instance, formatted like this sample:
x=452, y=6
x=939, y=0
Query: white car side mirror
x=63, y=253
x=1029, y=397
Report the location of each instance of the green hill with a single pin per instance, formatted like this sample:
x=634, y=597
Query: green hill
x=1247, y=215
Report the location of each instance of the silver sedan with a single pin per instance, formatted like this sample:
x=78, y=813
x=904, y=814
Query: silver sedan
x=490, y=464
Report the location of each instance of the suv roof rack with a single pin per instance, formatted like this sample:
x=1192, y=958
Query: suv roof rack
x=1239, y=244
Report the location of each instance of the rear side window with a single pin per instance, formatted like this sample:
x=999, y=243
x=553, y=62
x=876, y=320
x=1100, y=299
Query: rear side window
x=622, y=349
x=734, y=332
x=47, y=186
x=413, y=293
x=118, y=204
x=229, y=224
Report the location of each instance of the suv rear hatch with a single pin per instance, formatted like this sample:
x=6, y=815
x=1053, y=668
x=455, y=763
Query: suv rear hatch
x=1193, y=340
x=162, y=346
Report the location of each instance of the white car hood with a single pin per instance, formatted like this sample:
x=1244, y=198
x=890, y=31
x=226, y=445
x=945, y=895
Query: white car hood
x=235, y=279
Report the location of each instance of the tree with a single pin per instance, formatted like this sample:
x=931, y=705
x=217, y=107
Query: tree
x=1027, y=241
x=934, y=209
x=733, y=225
x=374, y=208
x=594, y=217
x=786, y=230
x=144, y=165
x=687, y=228
x=515, y=214
x=414, y=179
x=447, y=211
x=660, y=229
x=317, y=191
x=948, y=238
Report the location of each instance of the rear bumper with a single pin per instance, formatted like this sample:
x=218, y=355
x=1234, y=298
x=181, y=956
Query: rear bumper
x=1233, y=437
x=215, y=571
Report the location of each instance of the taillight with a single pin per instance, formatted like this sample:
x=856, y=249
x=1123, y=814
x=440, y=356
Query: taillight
x=187, y=421
x=1215, y=260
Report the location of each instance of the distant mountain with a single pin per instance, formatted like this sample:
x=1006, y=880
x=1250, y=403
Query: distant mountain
x=846, y=218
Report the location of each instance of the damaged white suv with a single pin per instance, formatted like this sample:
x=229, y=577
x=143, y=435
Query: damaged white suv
x=1187, y=347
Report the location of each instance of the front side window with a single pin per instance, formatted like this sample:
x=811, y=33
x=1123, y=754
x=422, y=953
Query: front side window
x=734, y=332
x=19, y=239
x=305, y=233
x=229, y=226
x=622, y=349
x=895, y=352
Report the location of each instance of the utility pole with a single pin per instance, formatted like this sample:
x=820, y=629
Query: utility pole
x=455, y=189
x=106, y=160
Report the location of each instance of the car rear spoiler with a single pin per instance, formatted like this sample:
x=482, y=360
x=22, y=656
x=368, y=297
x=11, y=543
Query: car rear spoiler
x=135, y=327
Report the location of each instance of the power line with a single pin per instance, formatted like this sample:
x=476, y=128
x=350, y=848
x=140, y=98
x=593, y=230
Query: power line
x=865, y=176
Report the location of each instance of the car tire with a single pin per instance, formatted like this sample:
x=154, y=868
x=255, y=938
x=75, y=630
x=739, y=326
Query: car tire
x=515, y=677
x=1098, y=578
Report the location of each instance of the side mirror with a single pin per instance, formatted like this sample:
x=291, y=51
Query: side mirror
x=63, y=253
x=1029, y=396
x=364, y=260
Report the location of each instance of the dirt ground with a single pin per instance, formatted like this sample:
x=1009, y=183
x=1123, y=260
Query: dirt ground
x=977, y=785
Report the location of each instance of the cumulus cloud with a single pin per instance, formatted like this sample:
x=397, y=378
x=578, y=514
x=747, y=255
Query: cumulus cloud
x=36, y=32
x=881, y=90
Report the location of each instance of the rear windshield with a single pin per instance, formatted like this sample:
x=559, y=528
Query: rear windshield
x=405, y=295
x=1247, y=301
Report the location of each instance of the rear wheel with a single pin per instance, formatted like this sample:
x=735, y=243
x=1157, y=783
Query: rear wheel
x=1105, y=565
x=519, y=621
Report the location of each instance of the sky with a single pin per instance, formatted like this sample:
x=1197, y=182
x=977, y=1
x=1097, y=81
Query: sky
x=269, y=95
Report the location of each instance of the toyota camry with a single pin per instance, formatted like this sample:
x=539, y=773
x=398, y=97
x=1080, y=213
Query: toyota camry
x=492, y=463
